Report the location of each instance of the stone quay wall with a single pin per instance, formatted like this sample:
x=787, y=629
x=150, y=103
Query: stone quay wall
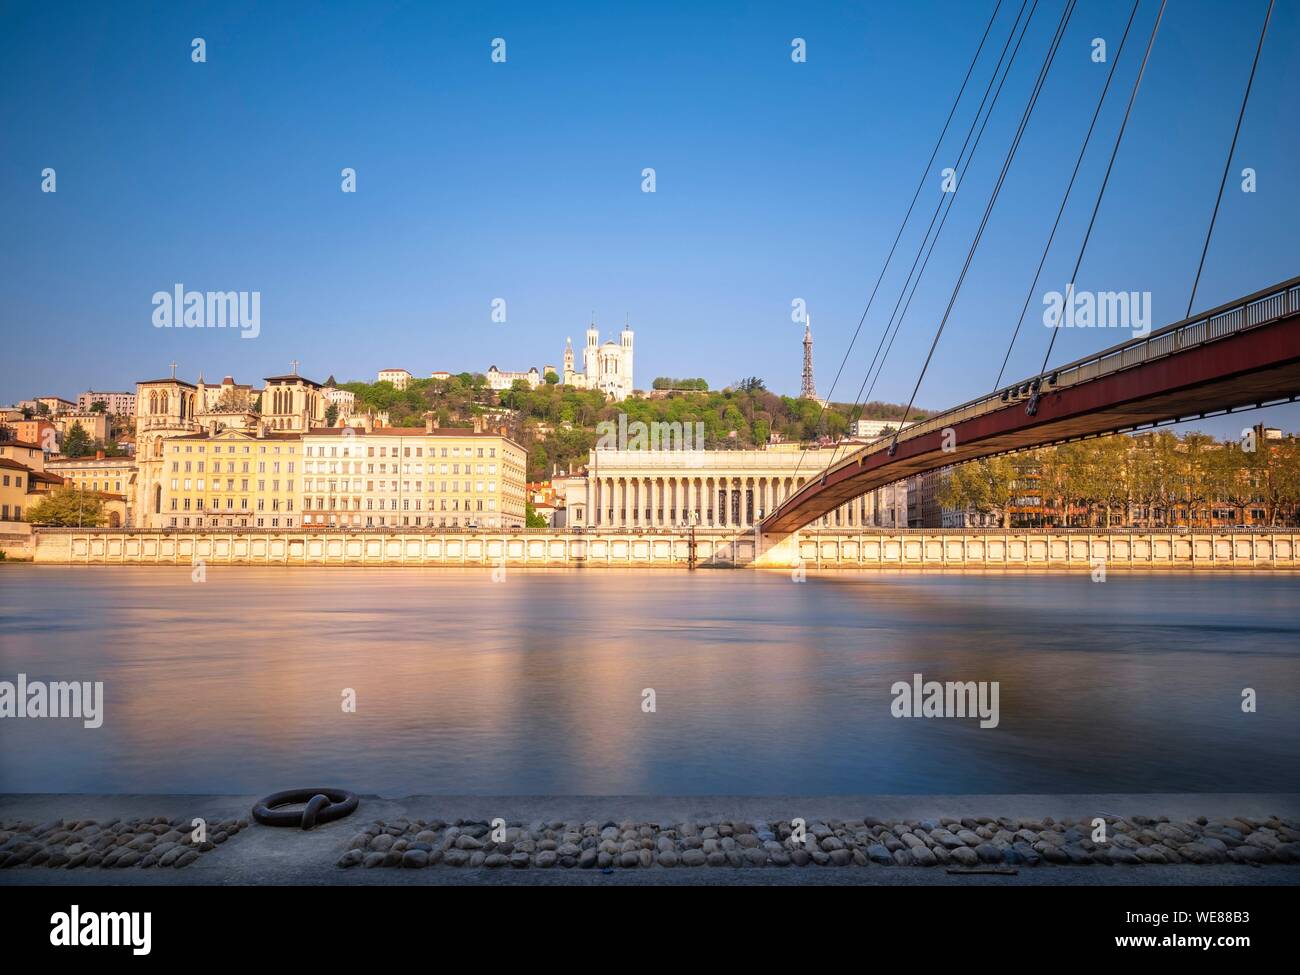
x=918, y=549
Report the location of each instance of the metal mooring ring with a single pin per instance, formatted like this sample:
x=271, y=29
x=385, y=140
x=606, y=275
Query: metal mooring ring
x=323, y=806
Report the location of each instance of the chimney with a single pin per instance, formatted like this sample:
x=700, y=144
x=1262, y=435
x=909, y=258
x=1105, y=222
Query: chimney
x=504, y=431
x=478, y=424
x=261, y=431
x=430, y=422
x=99, y=455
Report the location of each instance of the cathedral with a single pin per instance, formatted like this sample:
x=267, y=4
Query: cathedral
x=607, y=367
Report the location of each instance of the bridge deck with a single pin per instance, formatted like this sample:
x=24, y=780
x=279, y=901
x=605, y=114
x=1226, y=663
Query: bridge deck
x=1242, y=354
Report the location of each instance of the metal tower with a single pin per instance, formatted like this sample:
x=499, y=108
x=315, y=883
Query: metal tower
x=809, y=389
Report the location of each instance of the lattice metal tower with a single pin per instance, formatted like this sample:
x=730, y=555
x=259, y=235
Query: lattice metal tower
x=809, y=389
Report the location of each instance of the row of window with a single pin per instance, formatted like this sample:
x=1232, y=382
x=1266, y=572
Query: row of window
x=5, y=510
x=373, y=504
x=230, y=449
x=17, y=480
x=94, y=486
x=320, y=484
x=197, y=467
x=230, y=484
x=231, y=522
x=215, y=504
x=406, y=521
x=348, y=451
x=335, y=467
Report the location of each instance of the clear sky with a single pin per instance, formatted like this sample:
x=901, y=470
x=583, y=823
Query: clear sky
x=522, y=180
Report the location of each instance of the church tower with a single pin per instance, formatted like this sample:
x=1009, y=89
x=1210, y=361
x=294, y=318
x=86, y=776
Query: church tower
x=591, y=355
x=567, y=377
x=625, y=342
x=163, y=408
x=293, y=403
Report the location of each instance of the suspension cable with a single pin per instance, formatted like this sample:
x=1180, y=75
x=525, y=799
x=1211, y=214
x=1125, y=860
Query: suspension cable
x=902, y=226
x=1031, y=408
x=963, y=161
x=1078, y=163
x=896, y=319
x=993, y=198
x=1227, y=163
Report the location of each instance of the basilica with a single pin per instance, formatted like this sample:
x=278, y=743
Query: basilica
x=607, y=367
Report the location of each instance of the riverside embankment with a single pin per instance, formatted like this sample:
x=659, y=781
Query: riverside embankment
x=925, y=549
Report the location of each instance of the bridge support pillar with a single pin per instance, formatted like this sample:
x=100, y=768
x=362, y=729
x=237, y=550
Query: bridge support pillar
x=776, y=551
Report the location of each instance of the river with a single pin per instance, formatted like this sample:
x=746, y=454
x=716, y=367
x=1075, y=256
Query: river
x=535, y=684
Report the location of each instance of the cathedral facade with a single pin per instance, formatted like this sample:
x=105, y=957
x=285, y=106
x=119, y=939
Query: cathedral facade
x=607, y=367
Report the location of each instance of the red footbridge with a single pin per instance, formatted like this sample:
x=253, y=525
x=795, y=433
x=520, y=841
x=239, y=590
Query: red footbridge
x=1242, y=355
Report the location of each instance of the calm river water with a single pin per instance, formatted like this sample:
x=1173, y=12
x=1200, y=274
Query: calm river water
x=533, y=685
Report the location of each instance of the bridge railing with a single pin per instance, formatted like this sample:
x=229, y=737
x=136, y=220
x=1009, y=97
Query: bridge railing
x=1257, y=309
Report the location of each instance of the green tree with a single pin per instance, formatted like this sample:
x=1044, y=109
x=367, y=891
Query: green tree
x=77, y=442
x=68, y=507
x=531, y=518
x=99, y=406
x=331, y=414
x=551, y=378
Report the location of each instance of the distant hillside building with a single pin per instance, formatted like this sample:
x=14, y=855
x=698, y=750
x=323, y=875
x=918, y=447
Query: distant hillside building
x=344, y=399
x=119, y=404
x=400, y=378
x=871, y=429
x=607, y=367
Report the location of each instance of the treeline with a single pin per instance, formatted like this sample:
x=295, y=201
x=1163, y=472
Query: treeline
x=732, y=419
x=1146, y=481
x=454, y=399
x=557, y=424
x=663, y=382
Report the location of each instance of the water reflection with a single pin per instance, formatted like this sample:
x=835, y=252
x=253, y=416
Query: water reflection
x=533, y=686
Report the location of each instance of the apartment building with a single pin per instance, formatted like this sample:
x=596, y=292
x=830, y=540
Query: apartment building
x=231, y=479
x=412, y=477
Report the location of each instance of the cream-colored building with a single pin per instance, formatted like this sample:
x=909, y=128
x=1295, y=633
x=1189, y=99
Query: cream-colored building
x=28, y=454
x=96, y=425
x=710, y=489
x=500, y=379
x=412, y=477
x=100, y=474
x=344, y=399
x=400, y=378
x=871, y=429
x=164, y=408
x=171, y=408
x=118, y=404
x=13, y=489
x=232, y=479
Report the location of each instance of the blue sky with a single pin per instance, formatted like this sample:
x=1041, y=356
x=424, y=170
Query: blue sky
x=522, y=180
